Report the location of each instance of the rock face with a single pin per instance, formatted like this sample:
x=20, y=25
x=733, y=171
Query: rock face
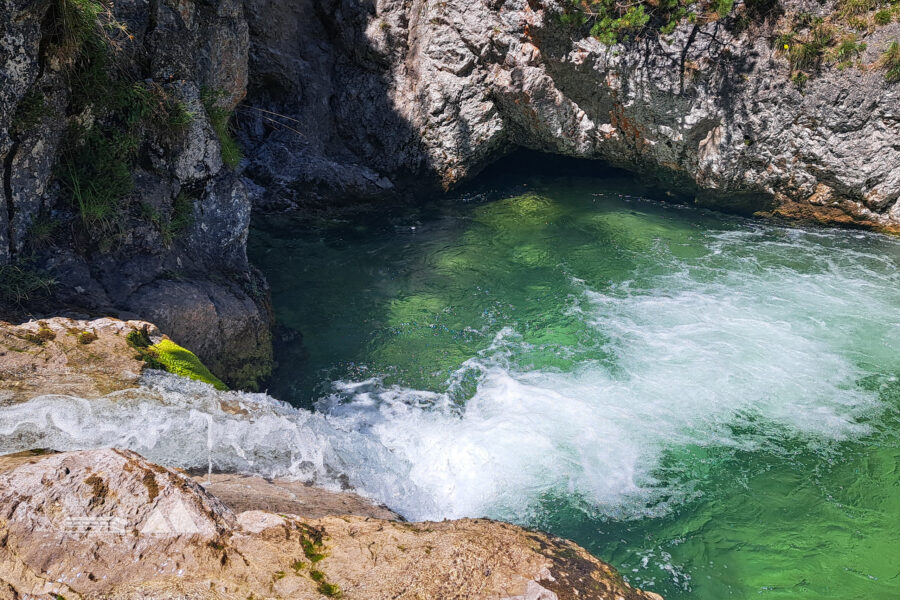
x=144, y=88
x=382, y=92
x=68, y=356
x=86, y=358
x=108, y=524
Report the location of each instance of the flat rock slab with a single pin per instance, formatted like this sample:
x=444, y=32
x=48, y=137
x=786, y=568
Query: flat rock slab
x=247, y=492
x=76, y=357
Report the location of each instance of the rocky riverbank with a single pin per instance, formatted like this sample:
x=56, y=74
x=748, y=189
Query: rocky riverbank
x=135, y=138
x=109, y=524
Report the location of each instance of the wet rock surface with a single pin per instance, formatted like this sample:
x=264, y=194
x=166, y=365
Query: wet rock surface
x=109, y=524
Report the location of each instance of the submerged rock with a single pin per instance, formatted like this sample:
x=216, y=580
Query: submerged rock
x=107, y=523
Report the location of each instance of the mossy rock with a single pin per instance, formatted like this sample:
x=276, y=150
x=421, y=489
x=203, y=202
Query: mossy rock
x=181, y=361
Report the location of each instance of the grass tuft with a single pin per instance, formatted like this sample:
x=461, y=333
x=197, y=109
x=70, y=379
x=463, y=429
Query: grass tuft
x=19, y=284
x=220, y=119
x=890, y=62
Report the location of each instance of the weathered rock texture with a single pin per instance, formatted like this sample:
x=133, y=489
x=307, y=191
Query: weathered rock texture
x=106, y=523
x=378, y=92
x=249, y=492
x=196, y=282
x=88, y=359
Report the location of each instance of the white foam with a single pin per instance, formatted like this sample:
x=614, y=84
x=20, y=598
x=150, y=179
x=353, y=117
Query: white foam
x=711, y=357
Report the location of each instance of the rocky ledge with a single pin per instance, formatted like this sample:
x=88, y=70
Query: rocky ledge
x=87, y=358
x=109, y=524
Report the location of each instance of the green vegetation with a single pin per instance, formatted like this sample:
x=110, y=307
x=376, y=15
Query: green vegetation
x=811, y=41
x=115, y=107
x=297, y=566
x=182, y=218
x=172, y=358
x=29, y=111
x=44, y=334
x=326, y=589
x=173, y=226
x=42, y=231
x=86, y=337
x=847, y=51
x=883, y=17
x=19, y=284
x=220, y=119
x=890, y=62
x=612, y=22
x=312, y=550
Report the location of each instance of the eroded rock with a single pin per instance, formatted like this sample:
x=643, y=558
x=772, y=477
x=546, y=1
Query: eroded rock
x=86, y=358
x=442, y=89
x=107, y=523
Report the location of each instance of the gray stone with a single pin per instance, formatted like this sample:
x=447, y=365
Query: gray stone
x=439, y=90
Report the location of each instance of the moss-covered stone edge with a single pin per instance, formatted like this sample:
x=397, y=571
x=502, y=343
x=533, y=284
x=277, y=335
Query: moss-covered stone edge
x=168, y=356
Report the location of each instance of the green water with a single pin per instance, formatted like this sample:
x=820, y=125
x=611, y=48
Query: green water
x=709, y=403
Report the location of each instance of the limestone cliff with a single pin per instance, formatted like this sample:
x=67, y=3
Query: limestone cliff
x=718, y=107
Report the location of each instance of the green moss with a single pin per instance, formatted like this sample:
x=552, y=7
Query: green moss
x=183, y=362
x=329, y=589
x=312, y=551
x=172, y=358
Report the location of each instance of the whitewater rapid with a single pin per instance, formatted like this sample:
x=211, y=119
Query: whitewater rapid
x=736, y=361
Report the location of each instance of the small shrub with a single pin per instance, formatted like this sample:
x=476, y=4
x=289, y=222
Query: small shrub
x=86, y=337
x=139, y=338
x=44, y=334
x=723, y=7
